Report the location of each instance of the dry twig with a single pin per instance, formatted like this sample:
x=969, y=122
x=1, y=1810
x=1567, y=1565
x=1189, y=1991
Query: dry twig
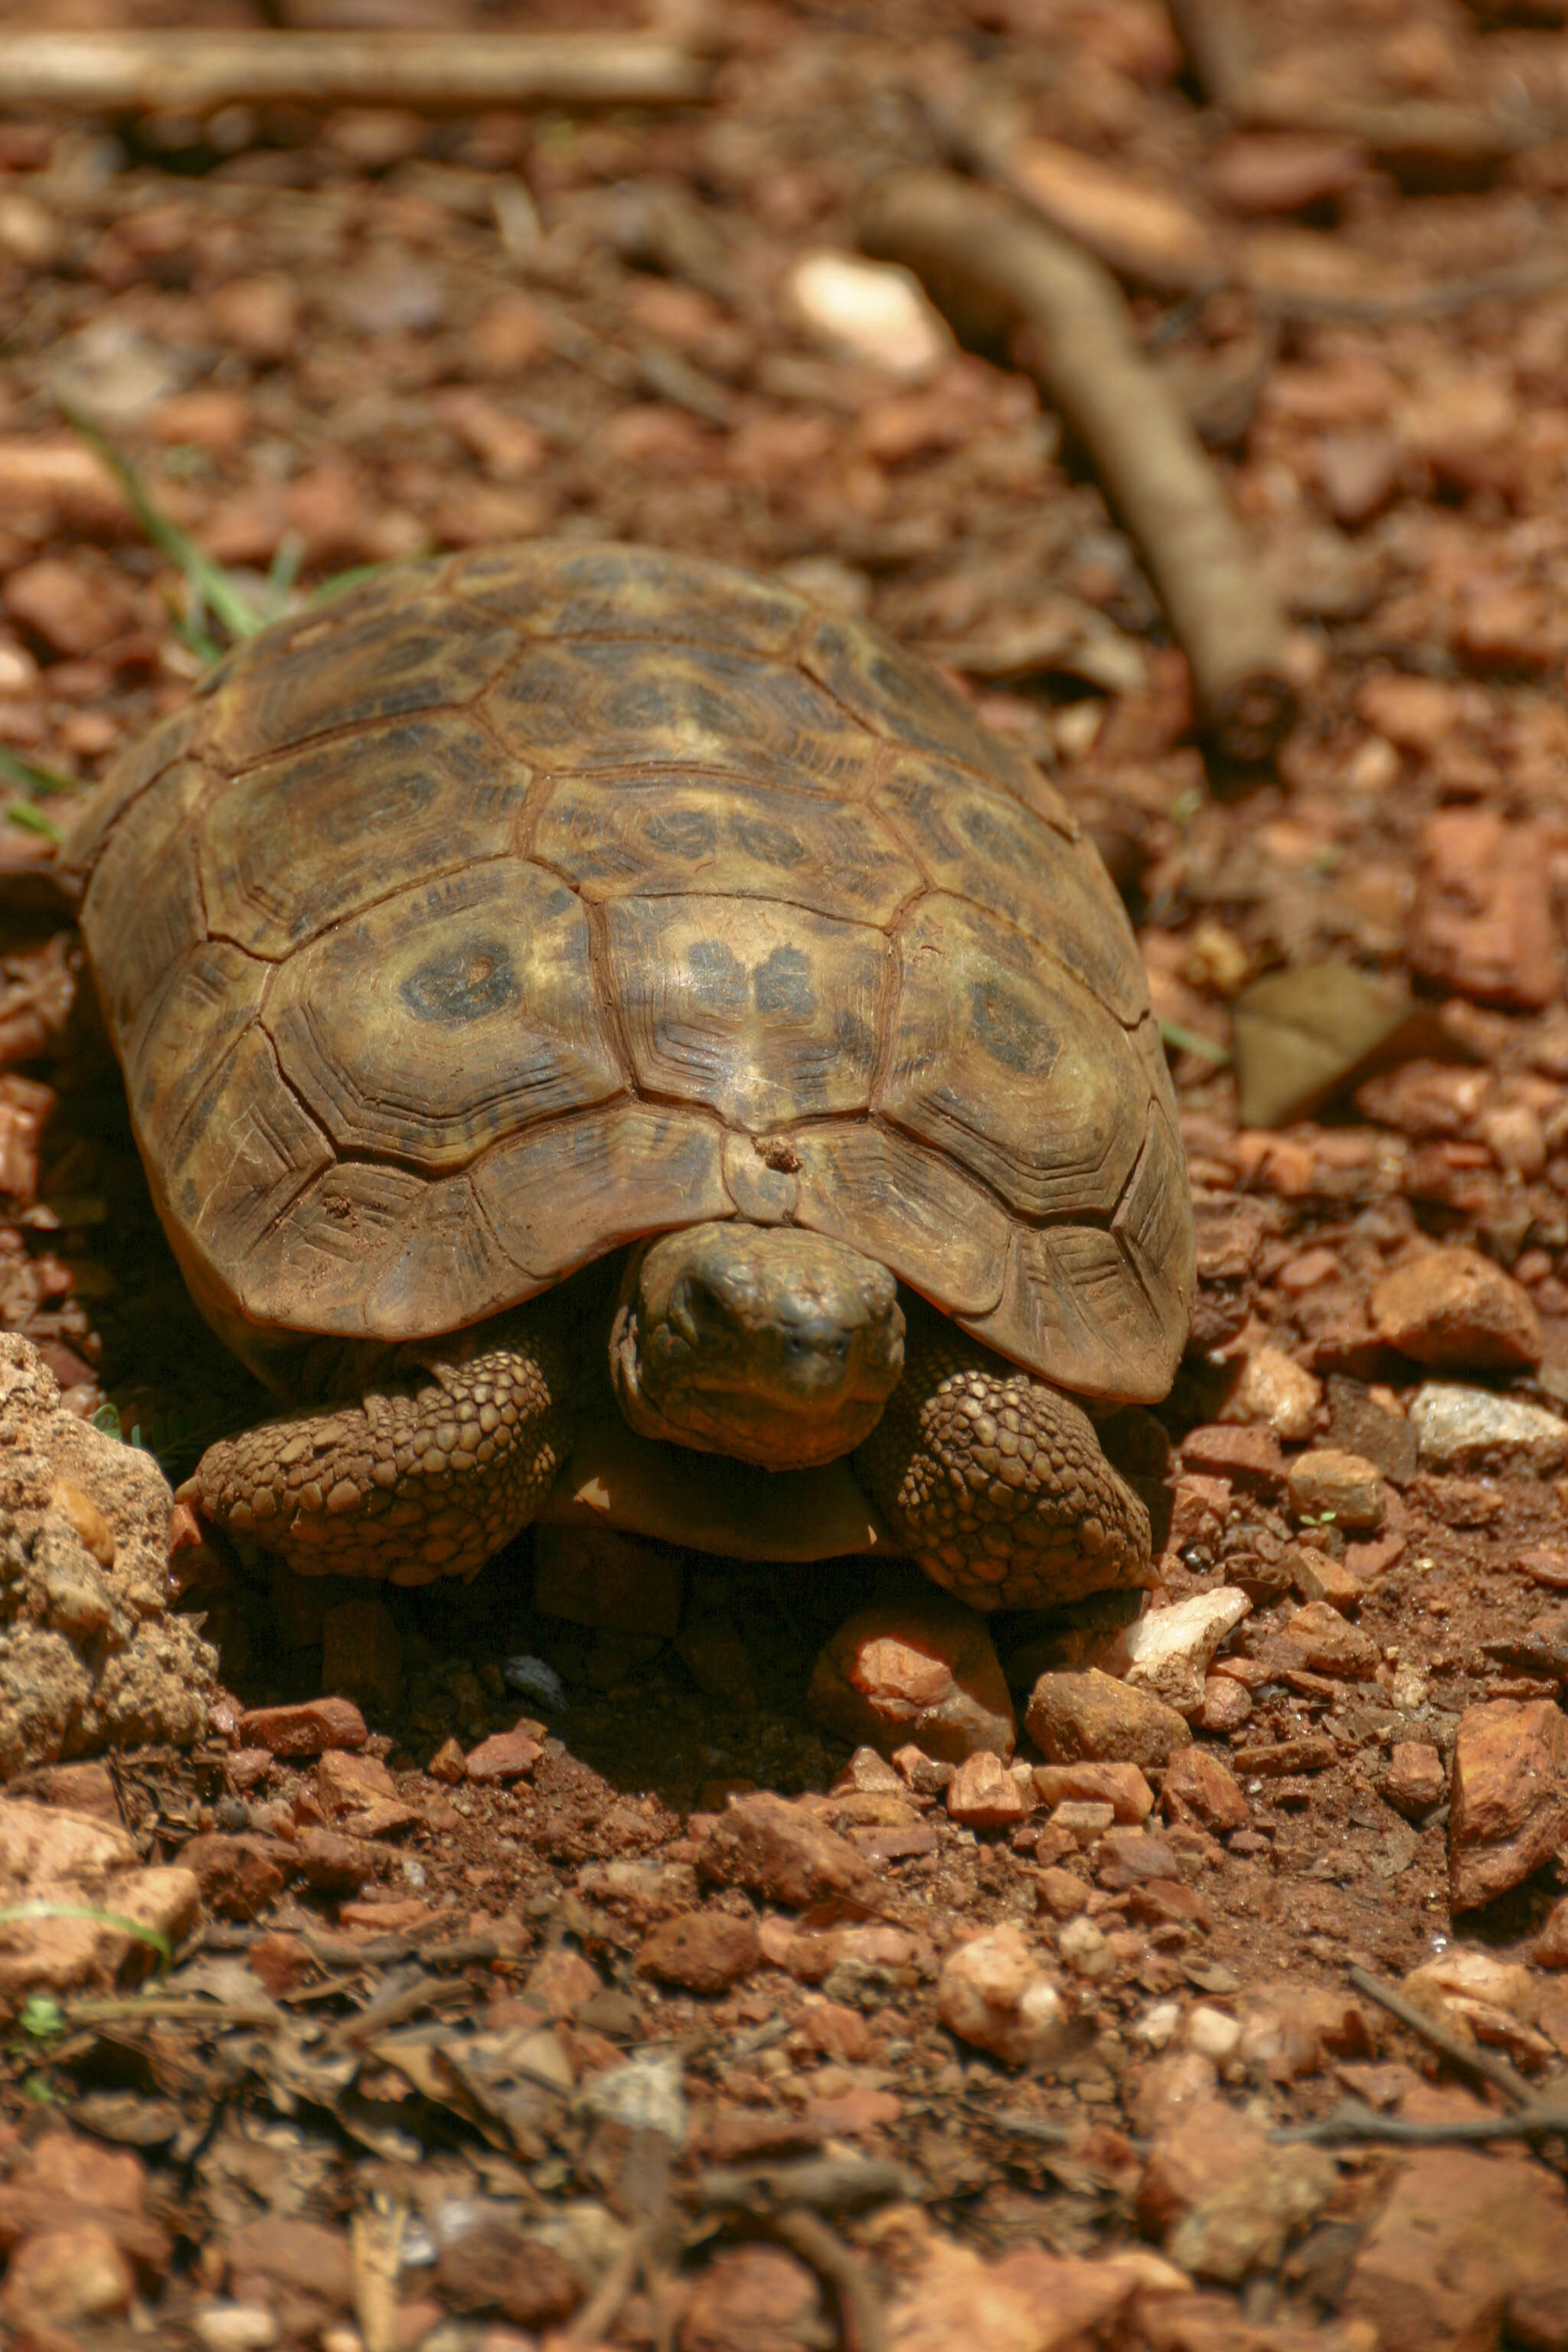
x=1352, y=2121
x=1496, y=2071
x=194, y=72
x=1218, y=41
x=860, y=2311
x=990, y=267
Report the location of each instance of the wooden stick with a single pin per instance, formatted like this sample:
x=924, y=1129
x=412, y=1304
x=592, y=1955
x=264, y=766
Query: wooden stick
x=193, y=72
x=990, y=267
x=1217, y=37
x=1496, y=2071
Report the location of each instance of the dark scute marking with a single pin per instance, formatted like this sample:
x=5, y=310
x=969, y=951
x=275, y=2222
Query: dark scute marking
x=995, y=839
x=718, y=977
x=683, y=833
x=388, y=805
x=1009, y=1031
x=855, y=1040
x=783, y=985
x=774, y=844
x=463, y=984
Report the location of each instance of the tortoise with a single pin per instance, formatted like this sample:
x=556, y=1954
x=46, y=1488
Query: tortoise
x=612, y=1039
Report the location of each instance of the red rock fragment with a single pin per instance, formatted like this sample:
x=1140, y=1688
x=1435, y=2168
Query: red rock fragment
x=984, y=1795
x=1198, y=1788
x=781, y=1851
x=330, y=1865
x=1249, y=1457
x=347, y=1783
x=305, y=1729
x=1330, y=1644
x=1201, y=2146
x=504, y=1756
x=1454, y=1310
x=84, y=2172
x=1482, y=922
x=1127, y=1856
x=72, y=607
x=1460, y=2236
x=239, y=1876
x=1167, y=1903
x=923, y=1671
x=1509, y=1794
x=752, y=2299
x=1120, y=1786
x=705, y=1951
x=66, y=2277
x=560, y=1981
x=280, y=1961
x=1414, y=1780
x=278, y=2252
x=495, y=2264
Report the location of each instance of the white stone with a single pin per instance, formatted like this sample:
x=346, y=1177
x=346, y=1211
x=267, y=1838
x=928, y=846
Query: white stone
x=1275, y=1392
x=1411, y=1689
x=1213, y=2035
x=994, y=1992
x=1084, y=1948
x=1472, y=1429
x=870, y=310
x=1168, y=1652
x=236, y=2327
x=1157, y=2027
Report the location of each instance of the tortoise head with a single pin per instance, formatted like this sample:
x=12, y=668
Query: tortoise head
x=760, y=1341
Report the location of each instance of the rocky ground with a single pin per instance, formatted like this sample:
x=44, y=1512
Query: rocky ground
x=639, y=1947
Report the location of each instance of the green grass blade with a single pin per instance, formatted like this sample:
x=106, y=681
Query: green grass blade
x=40, y=1907
x=208, y=581
x=32, y=776
x=1188, y=1040
x=33, y=820
x=282, y=572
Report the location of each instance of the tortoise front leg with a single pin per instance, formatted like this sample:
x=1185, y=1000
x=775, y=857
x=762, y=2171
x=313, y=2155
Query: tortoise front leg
x=995, y=1482
x=425, y=1476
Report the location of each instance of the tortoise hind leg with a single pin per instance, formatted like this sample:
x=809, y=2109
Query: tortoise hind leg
x=425, y=1476
x=995, y=1482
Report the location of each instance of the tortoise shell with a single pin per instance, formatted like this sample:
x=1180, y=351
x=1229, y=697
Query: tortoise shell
x=520, y=903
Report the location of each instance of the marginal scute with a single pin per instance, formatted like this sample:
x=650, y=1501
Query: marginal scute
x=763, y=1012
x=1072, y=1311
x=569, y=1192
x=139, y=766
x=631, y=591
x=935, y=1227
x=377, y=659
x=1009, y=1064
x=617, y=836
x=904, y=699
x=185, y=1033
x=446, y=1017
x=144, y=910
x=1156, y=1232
x=330, y=1246
x=589, y=705
x=304, y=841
x=243, y=1151
x=984, y=846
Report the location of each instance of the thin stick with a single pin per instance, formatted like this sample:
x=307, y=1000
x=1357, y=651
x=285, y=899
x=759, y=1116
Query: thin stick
x=602, y=2310
x=826, y=2251
x=987, y=265
x=1496, y=2071
x=1352, y=2121
x=194, y=72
